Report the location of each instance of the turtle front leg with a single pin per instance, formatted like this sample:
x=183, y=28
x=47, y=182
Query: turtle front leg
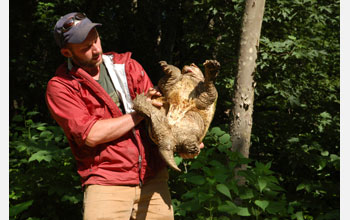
x=143, y=106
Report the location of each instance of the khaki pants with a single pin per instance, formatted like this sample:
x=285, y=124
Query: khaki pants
x=151, y=201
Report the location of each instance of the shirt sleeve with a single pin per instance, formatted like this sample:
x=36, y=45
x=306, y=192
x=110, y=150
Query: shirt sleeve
x=69, y=111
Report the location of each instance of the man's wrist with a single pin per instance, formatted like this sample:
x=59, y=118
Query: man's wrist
x=136, y=117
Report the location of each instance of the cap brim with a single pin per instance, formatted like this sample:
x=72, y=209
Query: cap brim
x=81, y=31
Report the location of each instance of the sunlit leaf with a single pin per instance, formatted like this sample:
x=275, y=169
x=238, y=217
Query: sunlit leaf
x=41, y=155
x=262, y=204
x=224, y=190
x=262, y=183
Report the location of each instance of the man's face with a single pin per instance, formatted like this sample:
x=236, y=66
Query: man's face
x=88, y=53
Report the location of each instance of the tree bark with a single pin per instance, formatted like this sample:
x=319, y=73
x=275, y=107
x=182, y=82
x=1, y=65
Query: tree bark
x=241, y=120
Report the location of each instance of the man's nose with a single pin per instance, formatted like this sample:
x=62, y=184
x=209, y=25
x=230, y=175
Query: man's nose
x=95, y=48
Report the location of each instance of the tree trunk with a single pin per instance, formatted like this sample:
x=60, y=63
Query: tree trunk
x=241, y=118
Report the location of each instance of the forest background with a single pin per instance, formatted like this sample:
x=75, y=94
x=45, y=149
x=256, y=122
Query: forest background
x=294, y=167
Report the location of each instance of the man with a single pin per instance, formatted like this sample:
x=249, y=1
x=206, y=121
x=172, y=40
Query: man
x=90, y=97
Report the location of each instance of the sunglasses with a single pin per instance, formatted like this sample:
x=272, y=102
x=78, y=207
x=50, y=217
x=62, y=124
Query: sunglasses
x=72, y=21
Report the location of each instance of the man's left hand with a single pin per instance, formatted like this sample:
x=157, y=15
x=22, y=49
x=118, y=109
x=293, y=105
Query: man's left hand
x=152, y=94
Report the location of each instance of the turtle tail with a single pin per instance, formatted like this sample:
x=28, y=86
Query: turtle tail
x=168, y=157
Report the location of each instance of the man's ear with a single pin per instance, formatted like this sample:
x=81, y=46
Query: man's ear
x=66, y=52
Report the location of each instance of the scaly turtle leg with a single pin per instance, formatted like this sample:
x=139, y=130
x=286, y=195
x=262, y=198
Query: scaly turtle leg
x=207, y=91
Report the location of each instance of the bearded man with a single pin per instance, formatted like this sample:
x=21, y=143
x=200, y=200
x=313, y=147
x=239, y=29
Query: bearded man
x=90, y=97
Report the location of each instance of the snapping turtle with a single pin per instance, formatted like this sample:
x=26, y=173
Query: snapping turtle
x=189, y=101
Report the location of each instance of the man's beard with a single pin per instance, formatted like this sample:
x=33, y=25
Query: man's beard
x=86, y=63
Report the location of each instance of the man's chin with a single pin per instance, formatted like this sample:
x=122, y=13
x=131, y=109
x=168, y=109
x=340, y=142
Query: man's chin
x=96, y=62
x=93, y=64
x=99, y=62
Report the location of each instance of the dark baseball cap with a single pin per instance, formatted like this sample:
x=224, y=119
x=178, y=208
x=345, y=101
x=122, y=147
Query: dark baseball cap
x=73, y=28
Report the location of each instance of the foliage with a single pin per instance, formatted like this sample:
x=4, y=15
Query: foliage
x=293, y=170
x=208, y=190
x=298, y=95
x=43, y=178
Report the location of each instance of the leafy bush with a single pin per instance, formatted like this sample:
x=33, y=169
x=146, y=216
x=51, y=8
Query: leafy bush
x=208, y=190
x=43, y=180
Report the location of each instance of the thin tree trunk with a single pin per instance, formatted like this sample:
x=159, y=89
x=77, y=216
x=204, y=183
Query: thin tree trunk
x=241, y=118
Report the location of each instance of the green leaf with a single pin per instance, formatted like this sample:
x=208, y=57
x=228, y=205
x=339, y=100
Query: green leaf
x=224, y=190
x=41, y=128
x=216, y=164
x=268, y=165
x=229, y=207
x=293, y=140
x=243, y=211
x=41, y=155
x=202, y=197
x=294, y=101
x=299, y=215
x=246, y=194
x=334, y=157
x=189, y=195
x=262, y=184
x=304, y=186
x=325, y=153
x=325, y=115
x=292, y=37
x=71, y=199
x=195, y=165
x=275, y=207
x=217, y=131
x=17, y=209
x=177, y=160
x=32, y=113
x=262, y=204
x=221, y=176
x=21, y=147
x=45, y=134
x=225, y=139
x=198, y=180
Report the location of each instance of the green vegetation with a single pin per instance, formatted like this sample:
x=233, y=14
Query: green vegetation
x=293, y=169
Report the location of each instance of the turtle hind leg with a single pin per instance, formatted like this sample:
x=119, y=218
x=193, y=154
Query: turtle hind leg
x=172, y=76
x=207, y=93
x=212, y=68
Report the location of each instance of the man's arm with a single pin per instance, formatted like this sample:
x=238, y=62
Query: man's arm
x=110, y=129
x=106, y=130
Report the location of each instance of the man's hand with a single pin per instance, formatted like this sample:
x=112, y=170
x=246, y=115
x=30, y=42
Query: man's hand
x=152, y=94
x=191, y=156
